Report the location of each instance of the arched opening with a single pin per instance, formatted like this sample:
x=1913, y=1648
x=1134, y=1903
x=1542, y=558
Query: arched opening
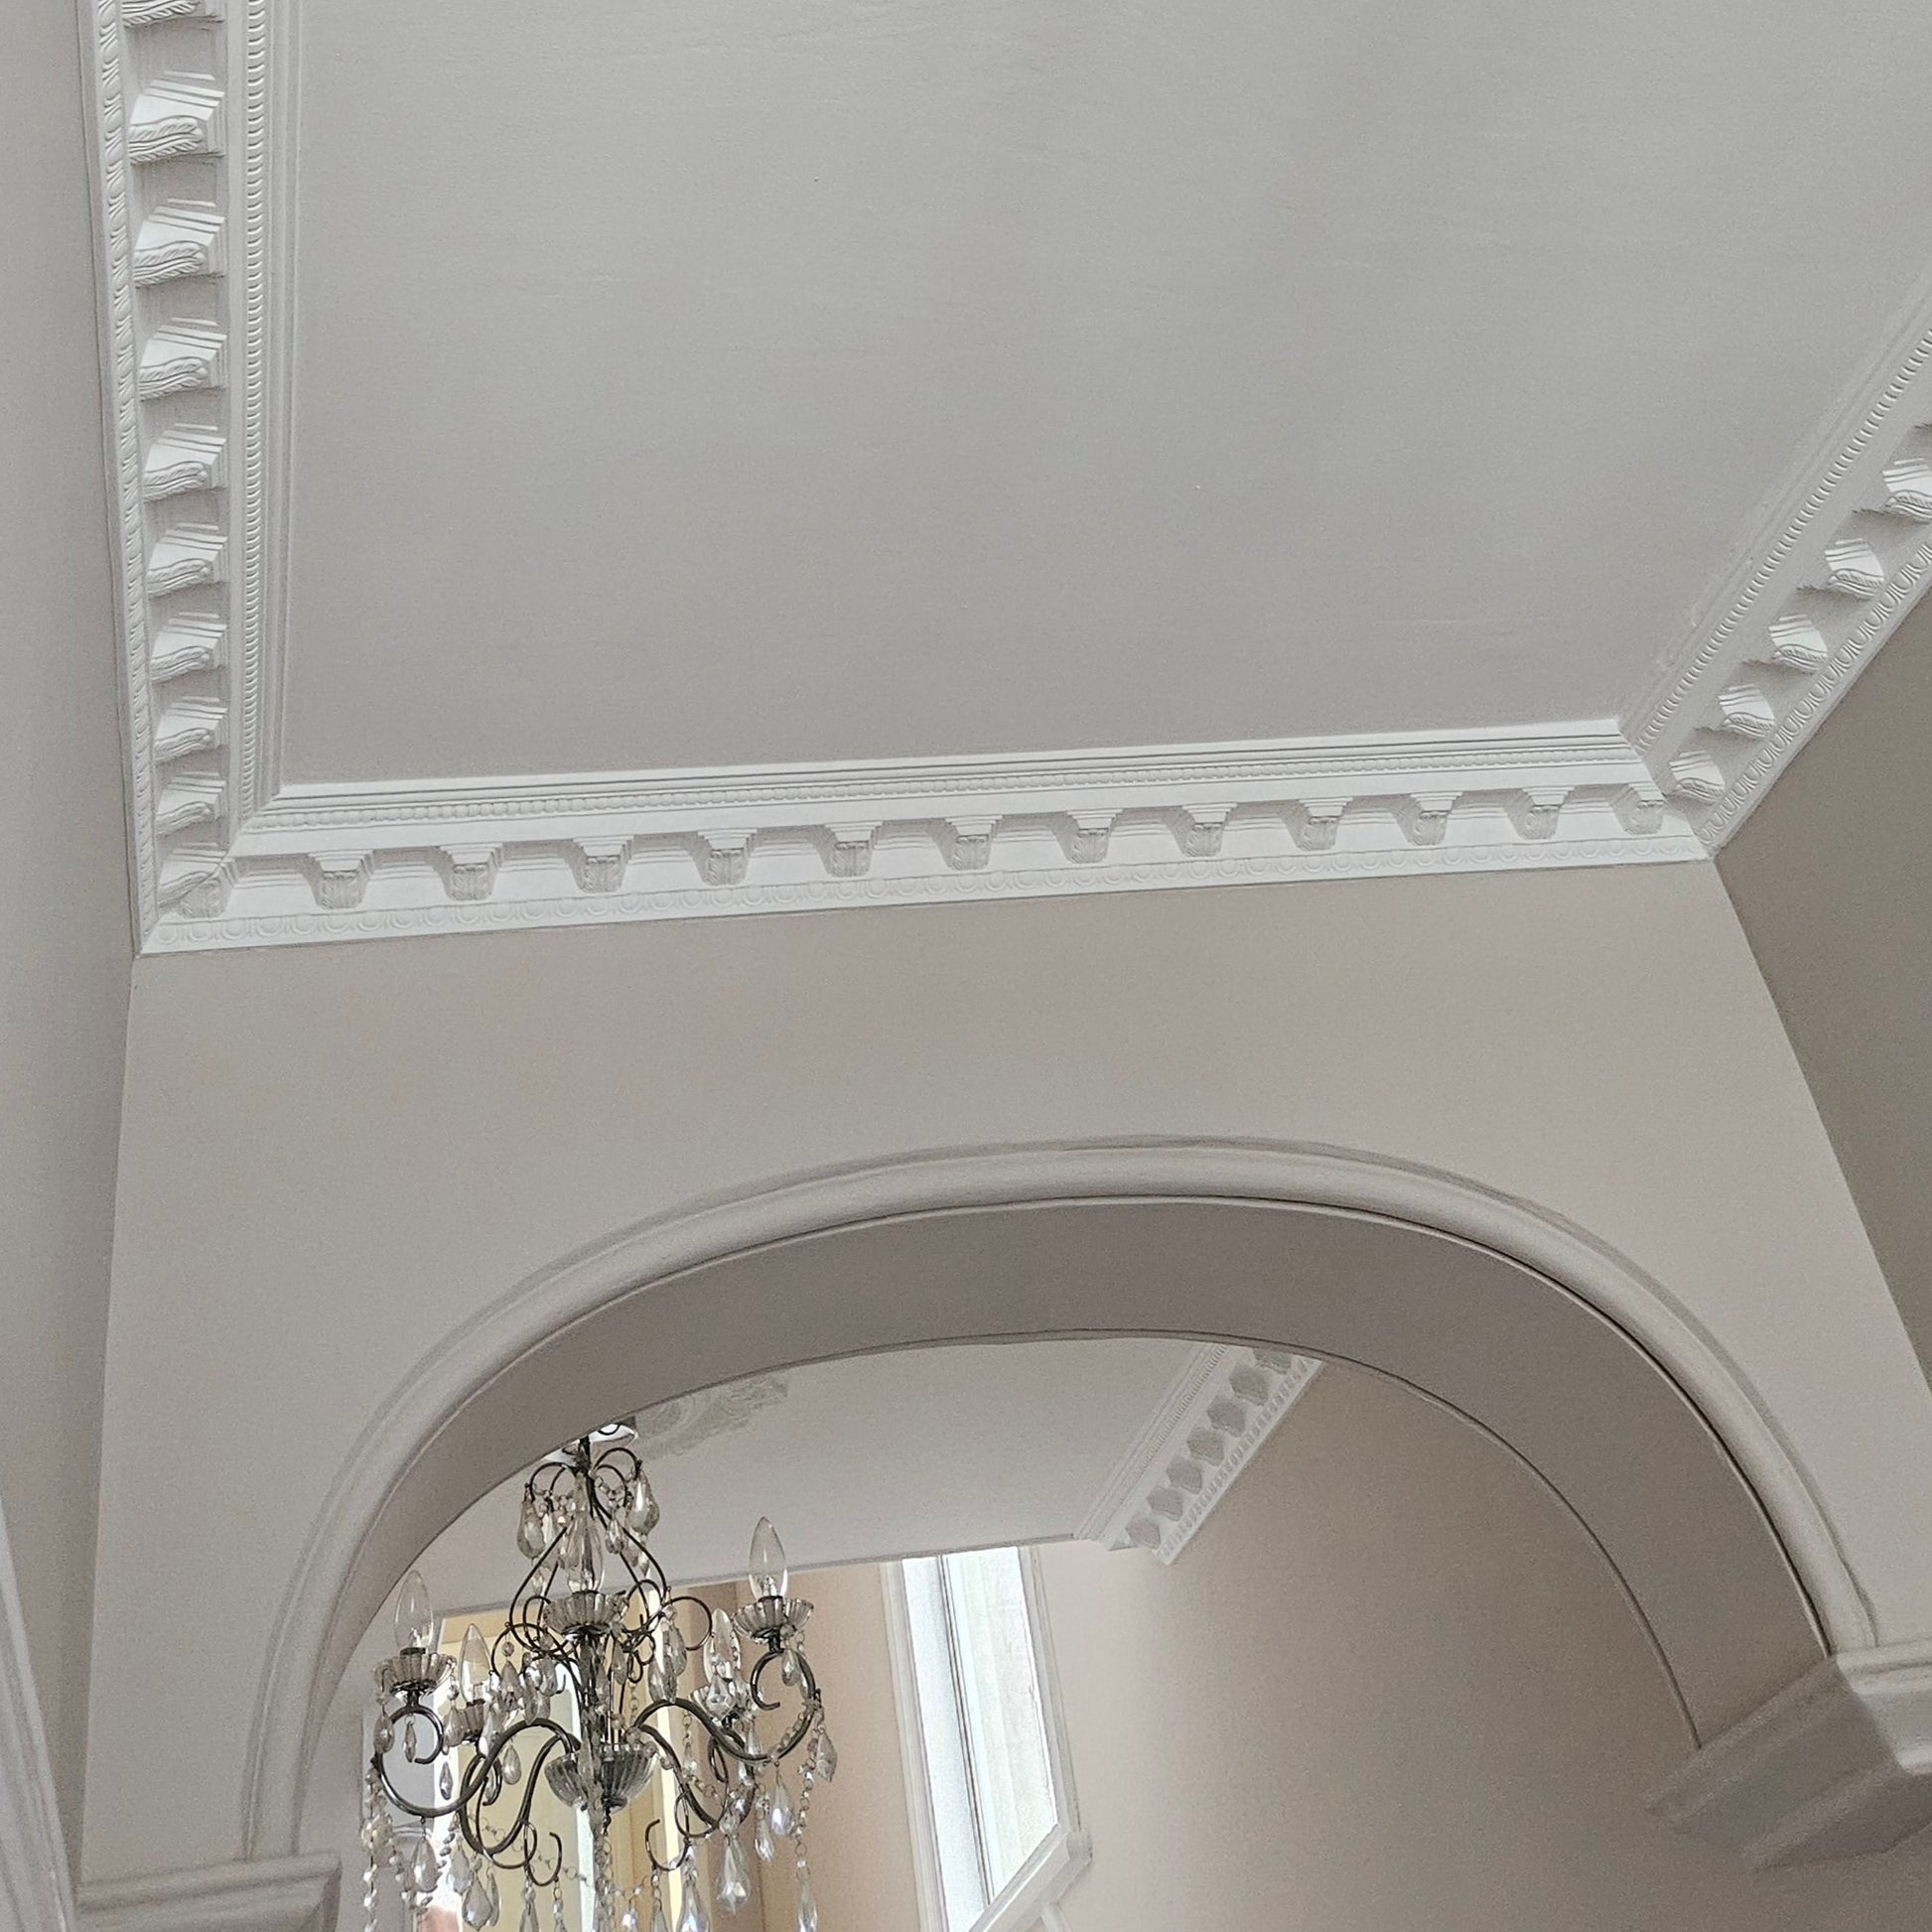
x=1557, y=1348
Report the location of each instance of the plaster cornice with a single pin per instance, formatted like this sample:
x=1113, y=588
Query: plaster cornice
x=1842, y=555
x=190, y=101
x=1218, y=1410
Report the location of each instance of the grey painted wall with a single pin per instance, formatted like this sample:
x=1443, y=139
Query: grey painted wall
x=1832, y=879
x=64, y=920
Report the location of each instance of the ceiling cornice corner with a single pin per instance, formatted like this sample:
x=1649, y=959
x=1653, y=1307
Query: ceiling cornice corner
x=1844, y=555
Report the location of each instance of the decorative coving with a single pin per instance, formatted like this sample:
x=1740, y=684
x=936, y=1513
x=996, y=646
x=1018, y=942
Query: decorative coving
x=1845, y=556
x=181, y=96
x=324, y=862
x=189, y=100
x=1217, y=1412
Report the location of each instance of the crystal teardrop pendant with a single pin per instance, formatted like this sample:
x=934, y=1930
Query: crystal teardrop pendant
x=808, y=1904
x=475, y=1906
x=828, y=1757
x=489, y=1890
x=415, y=1620
x=628, y=1922
x=526, y=1919
x=445, y=1783
x=691, y=1915
x=768, y=1571
x=761, y=1837
x=461, y=1869
x=733, y=1878
x=778, y=1807
x=536, y=1689
x=509, y=1764
x=657, y=1921
x=530, y=1538
x=424, y=1868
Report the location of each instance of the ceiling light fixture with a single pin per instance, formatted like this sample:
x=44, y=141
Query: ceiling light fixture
x=607, y=1689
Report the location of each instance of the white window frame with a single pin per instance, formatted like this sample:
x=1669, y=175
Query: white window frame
x=1031, y=1896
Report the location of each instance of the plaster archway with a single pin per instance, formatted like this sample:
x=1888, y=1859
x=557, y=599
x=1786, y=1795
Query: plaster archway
x=1581, y=1364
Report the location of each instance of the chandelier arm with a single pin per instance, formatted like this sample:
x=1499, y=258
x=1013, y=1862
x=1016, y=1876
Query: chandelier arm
x=660, y=1828
x=424, y=1813
x=475, y=1798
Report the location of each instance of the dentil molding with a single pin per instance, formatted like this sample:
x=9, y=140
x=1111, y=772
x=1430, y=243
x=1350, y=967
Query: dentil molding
x=1836, y=1765
x=191, y=100
x=1219, y=1409
x=1842, y=557
x=323, y=862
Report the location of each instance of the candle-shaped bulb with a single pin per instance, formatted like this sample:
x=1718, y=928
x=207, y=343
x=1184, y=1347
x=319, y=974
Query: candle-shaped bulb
x=473, y=1667
x=415, y=1620
x=768, y=1566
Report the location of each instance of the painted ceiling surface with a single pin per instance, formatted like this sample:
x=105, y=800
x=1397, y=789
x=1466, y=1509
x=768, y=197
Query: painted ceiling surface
x=642, y=459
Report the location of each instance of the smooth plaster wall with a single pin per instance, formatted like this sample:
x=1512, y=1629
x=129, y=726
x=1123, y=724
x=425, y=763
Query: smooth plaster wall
x=64, y=937
x=1390, y=1684
x=335, y=1156
x=1834, y=887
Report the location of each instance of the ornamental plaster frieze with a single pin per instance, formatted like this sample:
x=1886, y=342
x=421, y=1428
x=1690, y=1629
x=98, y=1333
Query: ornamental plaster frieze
x=1219, y=1409
x=180, y=98
x=1844, y=557
x=339, y=882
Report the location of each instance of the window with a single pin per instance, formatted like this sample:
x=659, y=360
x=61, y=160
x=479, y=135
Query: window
x=996, y=1833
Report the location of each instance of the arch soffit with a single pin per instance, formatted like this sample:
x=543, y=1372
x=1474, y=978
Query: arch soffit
x=324, y=1612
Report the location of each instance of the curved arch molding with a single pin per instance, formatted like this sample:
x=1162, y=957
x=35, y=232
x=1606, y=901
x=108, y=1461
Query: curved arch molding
x=1583, y=1365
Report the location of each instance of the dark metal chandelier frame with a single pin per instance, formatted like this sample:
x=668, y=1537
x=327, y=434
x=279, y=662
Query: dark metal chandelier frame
x=659, y=1689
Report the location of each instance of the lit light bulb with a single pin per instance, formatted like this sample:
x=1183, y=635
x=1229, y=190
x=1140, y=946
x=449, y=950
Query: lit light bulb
x=473, y=1667
x=415, y=1620
x=769, y=1575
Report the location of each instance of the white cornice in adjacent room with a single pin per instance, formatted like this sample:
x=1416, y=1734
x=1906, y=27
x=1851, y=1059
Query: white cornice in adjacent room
x=1225, y=1402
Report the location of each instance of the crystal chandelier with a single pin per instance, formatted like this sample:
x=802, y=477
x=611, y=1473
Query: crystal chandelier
x=607, y=1689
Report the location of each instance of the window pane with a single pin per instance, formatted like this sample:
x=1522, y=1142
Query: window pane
x=1006, y=1734
x=942, y=1740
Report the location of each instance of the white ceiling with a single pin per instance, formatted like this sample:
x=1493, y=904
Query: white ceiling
x=872, y=1457
x=669, y=456
x=710, y=382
